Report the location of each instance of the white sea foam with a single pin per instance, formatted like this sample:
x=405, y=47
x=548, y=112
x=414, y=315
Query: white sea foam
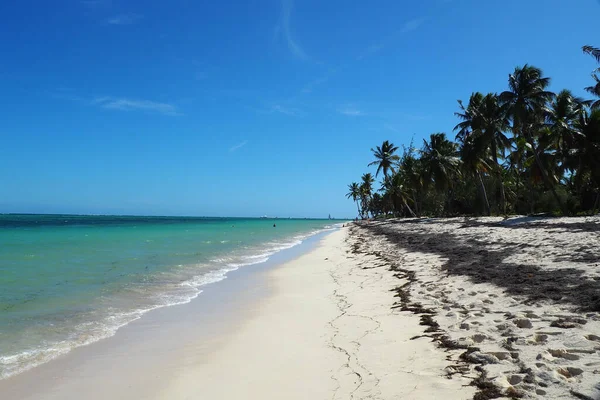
x=113, y=319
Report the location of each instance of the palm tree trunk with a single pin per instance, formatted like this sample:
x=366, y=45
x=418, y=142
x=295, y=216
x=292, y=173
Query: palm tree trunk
x=484, y=194
x=517, y=183
x=500, y=182
x=531, y=202
x=410, y=211
x=596, y=203
x=416, y=201
x=363, y=207
x=358, y=207
x=502, y=193
x=449, y=200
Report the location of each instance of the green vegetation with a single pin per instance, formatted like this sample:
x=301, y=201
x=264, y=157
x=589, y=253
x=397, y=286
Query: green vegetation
x=526, y=150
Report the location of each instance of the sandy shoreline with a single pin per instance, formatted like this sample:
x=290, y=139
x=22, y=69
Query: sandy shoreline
x=328, y=332
x=410, y=309
x=519, y=299
x=324, y=329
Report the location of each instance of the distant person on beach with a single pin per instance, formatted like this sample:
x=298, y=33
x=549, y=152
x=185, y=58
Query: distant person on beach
x=274, y=225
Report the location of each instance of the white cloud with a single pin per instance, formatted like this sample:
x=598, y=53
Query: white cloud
x=123, y=104
x=277, y=108
x=351, y=111
x=284, y=28
x=238, y=146
x=311, y=85
x=391, y=128
x=413, y=24
x=124, y=19
x=408, y=26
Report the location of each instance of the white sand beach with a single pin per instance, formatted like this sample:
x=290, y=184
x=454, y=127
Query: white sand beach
x=520, y=297
x=327, y=332
x=403, y=309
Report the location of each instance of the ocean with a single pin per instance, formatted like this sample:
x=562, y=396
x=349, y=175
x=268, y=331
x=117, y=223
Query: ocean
x=67, y=281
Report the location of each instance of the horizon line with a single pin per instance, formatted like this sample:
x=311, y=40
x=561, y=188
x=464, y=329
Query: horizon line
x=169, y=216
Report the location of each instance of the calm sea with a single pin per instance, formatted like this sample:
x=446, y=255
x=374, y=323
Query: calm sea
x=66, y=281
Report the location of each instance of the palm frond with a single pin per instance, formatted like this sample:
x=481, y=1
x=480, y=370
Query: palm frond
x=593, y=51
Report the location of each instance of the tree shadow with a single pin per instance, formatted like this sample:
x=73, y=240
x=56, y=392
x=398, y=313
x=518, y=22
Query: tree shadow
x=473, y=259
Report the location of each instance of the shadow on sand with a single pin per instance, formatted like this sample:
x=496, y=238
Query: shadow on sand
x=483, y=264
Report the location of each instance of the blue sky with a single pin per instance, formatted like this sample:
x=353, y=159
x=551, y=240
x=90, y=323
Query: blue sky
x=249, y=108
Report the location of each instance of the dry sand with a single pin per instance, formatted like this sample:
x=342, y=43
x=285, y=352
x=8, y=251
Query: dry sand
x=520, y=297
x=327, y=332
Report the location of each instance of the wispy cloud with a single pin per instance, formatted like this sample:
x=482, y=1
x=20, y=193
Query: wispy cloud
x=311, y=85
x=278, y=108
x=407, y=27
x=284, y=28
x=124, y=19
x=238, y=146
x=351, y=111
x=116, y=103
x=413, y=24
x=123, y=104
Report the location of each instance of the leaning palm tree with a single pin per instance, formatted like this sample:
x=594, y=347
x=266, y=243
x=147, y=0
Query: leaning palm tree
x=595, y=88
x=586, y=153
x=526, y=102
x=354, y=194
x=394, y=188
x=593, y=51
x=385, y=159
x=366, y=192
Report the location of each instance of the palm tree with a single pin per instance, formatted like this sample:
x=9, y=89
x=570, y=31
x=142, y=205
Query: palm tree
x=394, y=188
x=474, y=154
x=366, y=190
x=561, y=116
x=440, y=163
x=587, y=152
x=385, y=159
x=594, y=89
x=593, y=51
x=355, y=194
x=469, y=116
x=412, y=172
x=486, y=118
x=526, y=103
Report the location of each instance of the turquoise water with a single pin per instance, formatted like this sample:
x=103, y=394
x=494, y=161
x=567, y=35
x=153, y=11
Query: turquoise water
x=66, y=281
